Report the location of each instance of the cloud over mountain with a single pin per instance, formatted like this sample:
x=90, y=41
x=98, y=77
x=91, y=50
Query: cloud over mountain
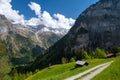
x=43, y=17
x=6, y=9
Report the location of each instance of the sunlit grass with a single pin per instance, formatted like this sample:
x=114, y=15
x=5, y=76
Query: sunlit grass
x=111, y=73
x=62, y=71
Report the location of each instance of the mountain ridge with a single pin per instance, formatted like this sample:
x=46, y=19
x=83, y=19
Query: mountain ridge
x=97, y=26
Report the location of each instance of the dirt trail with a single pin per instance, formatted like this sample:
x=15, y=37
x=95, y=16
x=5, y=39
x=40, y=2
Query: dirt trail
x=96, y=70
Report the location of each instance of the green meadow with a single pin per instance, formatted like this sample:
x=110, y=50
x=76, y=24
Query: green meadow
x=62, y=71
x=110, y=73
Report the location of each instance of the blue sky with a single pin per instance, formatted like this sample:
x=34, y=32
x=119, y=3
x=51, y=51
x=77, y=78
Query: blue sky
x=68, y=8
x=50, y=13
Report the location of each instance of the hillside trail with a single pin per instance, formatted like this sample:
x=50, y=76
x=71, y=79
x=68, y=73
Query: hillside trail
x=90, y=73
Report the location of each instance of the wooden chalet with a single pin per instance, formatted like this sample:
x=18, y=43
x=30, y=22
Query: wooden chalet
x=110, y=55
x=81, y=63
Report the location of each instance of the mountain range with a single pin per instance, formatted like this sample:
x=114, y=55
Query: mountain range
x=97, y=26
x=24, y=42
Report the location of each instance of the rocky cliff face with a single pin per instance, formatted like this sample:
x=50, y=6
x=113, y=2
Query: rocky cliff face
x=4, y=23
x=97, y=26
x=47, y=38
x=101, y=21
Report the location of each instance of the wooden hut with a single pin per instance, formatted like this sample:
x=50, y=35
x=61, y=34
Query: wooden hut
x=110, y=55
x=81, y=63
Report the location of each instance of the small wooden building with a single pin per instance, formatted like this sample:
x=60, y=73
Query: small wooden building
x=81, y=63
x=110, y=55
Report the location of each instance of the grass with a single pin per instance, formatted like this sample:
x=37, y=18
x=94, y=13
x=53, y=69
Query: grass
x=111, y=73
x=62, y=71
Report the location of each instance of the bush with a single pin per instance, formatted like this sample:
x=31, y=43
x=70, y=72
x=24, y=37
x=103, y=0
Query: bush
x=85, y=55
x=64, y=60
x=81, y=54
x=100, y=53
x=91, y=53
x=78, y=53
x=72, y=59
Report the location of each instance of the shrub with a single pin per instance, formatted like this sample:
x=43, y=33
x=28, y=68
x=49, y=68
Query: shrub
x=85, y=55
x=72, y=59
x=82, y=54
x=64, y=60
x=91, y=53
x=78, y=53
x=100, y=53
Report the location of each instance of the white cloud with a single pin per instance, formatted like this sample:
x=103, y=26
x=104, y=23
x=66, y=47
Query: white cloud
x=43, y=17
x=6, y=9
x=64, y=22
x=55, y=21
x=47, y=20
x=35, y=7
x=33, y=21
x=4, y=1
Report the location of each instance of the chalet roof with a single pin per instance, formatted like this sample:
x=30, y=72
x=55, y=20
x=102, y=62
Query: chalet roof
x=80, y=62
x=110, y=54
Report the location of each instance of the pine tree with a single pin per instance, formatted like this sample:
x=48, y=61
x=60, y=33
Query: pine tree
x=85, y=55
x=91, y=53
x=64, y=60
x=72, y=59
x=100, y=53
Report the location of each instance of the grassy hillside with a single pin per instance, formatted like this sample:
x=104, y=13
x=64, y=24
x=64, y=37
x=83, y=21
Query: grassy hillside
x=4, y=62
x=111, y=73
x=59, y=72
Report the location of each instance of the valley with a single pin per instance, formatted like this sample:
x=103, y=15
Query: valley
x=46, y=46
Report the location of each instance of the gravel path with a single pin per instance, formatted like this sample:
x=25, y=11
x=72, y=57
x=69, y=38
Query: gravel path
x=97, y=69
x=94, y=73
